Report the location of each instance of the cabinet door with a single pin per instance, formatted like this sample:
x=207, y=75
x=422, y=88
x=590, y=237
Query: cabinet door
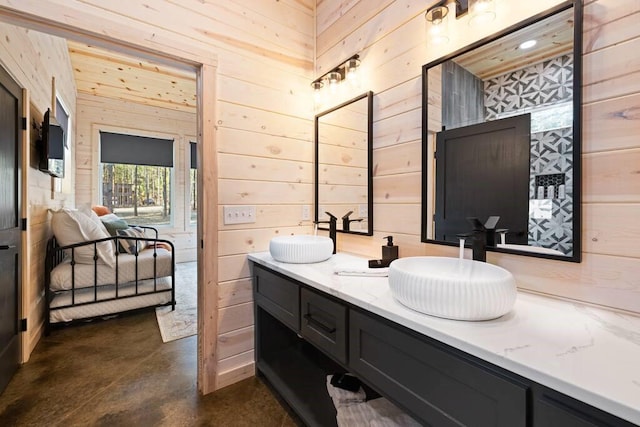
x=279, y=296
x=553, y=409
x=324, y=324
x=438, y=386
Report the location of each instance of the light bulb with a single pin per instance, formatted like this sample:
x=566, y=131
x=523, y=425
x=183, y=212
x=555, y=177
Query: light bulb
x=334, y=78
x=317, y=91
x=481, y=12
x=351, y=70
x=437, y=18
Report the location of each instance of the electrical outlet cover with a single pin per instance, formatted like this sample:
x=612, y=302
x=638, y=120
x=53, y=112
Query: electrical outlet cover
x=306, y=213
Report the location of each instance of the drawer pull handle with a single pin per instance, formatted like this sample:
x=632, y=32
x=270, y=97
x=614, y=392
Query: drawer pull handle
x=320, y=325
x=6, y=247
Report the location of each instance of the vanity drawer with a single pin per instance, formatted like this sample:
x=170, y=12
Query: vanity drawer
x=324, y=324
x=436, y=385
x=278, y=295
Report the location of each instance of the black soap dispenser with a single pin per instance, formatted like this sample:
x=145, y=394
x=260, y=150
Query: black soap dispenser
x=389, y=251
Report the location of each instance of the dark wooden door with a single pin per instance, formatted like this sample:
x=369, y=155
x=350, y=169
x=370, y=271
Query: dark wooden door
x=483, y=170
x=10, y=232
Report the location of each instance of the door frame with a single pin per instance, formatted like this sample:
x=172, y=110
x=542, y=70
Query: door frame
x=204, y=63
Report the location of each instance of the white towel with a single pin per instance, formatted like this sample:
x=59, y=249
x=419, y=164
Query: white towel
x=343, y=397
x=360, y=268
x=352, y=410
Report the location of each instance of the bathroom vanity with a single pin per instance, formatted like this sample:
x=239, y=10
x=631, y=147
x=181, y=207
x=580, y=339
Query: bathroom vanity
x=546, y=363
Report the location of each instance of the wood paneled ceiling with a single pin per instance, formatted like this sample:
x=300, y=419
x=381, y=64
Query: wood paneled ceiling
x=554, y=37
x=112, y=75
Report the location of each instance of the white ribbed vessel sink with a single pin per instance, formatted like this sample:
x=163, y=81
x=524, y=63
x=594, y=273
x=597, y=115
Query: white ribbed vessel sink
x=452, y=288
x=302, y=249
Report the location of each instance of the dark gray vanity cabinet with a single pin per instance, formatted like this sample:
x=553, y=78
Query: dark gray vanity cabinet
x=436, y=384
x=302, y=335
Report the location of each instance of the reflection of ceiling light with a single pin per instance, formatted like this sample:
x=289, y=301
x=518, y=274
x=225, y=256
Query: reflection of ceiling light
x=528, y=44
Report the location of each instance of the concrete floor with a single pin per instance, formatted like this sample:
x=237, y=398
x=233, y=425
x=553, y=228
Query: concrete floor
x=119, y=373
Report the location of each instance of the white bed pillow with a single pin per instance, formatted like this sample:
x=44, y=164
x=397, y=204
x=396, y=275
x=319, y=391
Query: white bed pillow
x=96, y=219
x=72, y=226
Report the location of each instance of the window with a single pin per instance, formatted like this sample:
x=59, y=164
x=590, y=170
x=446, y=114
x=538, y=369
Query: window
x=193, y=183
x=62, y=117
x=546, y=117
x=137, y=177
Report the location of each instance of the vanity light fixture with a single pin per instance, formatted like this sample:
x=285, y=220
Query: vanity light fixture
x=334, y=79
x=347, y=70
x=317, y=87
x=437, y=17
x=351, y=67
x=481, y=12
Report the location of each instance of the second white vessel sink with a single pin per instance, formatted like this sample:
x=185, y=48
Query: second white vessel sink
x=301, y=249
x=452, y=288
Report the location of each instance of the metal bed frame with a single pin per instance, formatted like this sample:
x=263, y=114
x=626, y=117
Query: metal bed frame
x=56, y=254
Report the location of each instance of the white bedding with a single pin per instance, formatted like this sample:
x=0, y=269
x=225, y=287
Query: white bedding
x=109, y=307
x=84, y=273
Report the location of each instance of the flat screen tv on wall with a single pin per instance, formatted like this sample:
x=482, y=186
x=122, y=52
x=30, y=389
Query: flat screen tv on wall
x=52, y=147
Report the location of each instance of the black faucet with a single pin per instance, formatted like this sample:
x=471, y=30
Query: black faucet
x=346, y=221
x=478, y=240
x=333, y=226
x=482, y=235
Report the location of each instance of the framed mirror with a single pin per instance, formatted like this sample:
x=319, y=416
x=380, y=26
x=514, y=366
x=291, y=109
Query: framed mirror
x=501, y=138
x=344, y=183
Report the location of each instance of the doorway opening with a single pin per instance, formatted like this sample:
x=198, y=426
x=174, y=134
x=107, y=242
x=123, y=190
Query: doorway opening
x=204, y=75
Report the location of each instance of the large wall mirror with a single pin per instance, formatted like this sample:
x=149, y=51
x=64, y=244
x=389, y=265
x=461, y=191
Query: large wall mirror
x=501, y=137
x=344, y=189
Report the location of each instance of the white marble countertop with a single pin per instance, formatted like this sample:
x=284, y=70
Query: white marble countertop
x=588, y=353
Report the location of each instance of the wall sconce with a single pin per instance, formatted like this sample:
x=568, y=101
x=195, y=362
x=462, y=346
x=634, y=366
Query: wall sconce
x=438, y=17
x=317, y=87
x=346, y=71
x=480, y=13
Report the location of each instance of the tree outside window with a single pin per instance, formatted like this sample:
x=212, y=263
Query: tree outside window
x=139, y=194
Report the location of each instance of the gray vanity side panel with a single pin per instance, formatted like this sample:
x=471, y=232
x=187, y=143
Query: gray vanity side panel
x=439, y=387
x=279, y=296
x=324, y=324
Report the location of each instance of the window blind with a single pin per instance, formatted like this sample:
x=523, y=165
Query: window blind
x=135, y=150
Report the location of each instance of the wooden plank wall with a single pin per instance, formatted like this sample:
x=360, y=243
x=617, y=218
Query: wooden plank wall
x=264, y=127
x=391, y=41
x=33, y=58
x=95, y=113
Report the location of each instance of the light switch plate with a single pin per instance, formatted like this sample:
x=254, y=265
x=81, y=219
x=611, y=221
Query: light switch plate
x=363, y=211
x=239, y=214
